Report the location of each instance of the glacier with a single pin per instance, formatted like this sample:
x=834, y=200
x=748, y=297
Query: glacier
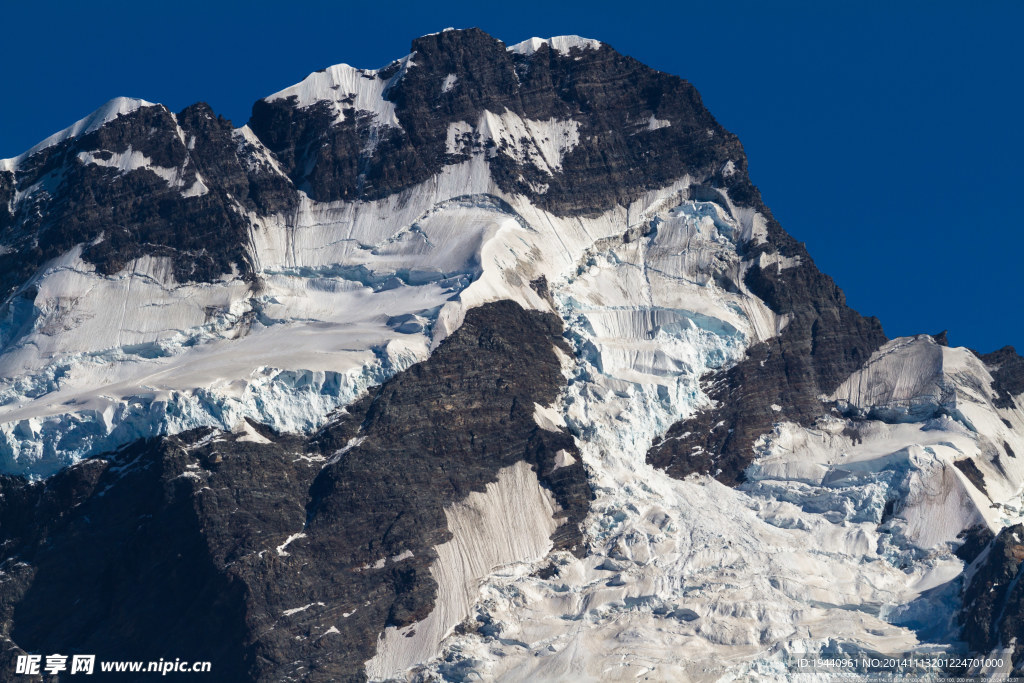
x=842, y=535
x=365, y=289
x=693, y=580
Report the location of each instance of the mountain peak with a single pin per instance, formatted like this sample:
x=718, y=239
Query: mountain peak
x=347, y=88
x=561, y=44
x=101, y=116
x=486, y=307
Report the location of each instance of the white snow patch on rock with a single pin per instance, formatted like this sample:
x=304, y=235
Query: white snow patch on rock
x=133, y=160
x=541, y=143
x=548, y=418
x=564, y=459
x=283, y=553
x=296, y=610
x=245, y=432
x=655, y=124
x=767, y=259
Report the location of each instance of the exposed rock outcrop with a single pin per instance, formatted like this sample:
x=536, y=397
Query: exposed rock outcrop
x=993, y=599
x=824, y=341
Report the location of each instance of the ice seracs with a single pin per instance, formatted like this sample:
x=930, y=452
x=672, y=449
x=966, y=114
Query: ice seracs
x=366, y=287
x=916, y=380
x=868, y=507
x=684, y=575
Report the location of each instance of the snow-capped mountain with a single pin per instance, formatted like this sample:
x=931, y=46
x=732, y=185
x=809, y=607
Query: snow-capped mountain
x=488, y=363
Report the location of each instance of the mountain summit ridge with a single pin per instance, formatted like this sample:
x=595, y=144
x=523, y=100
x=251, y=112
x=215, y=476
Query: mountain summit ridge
x=488, y=362
x=124, y=193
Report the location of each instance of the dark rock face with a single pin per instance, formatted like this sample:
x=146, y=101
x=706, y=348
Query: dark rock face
x=189, y=546
x=120, y=216
x=822, y=344
x=613, y=99
x=975, y=540
x=481, y=384
x=973, y=474
x=1007, y=368
x=6, y=200
x=109, y=557
x=993, y=601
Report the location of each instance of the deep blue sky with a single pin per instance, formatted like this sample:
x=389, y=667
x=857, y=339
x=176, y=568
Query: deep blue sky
x=887, y=135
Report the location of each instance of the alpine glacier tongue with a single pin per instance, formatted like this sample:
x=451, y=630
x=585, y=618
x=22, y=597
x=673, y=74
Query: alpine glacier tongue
x=842, y=535
x=489, y=363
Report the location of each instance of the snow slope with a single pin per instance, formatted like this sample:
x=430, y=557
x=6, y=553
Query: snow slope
x=843, y=533
x=691, y=580
x=108, y=112
x=348, y=293
x=507, y=526
x=347, y=89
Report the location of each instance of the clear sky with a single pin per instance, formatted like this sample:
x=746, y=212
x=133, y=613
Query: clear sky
x=887, y=135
